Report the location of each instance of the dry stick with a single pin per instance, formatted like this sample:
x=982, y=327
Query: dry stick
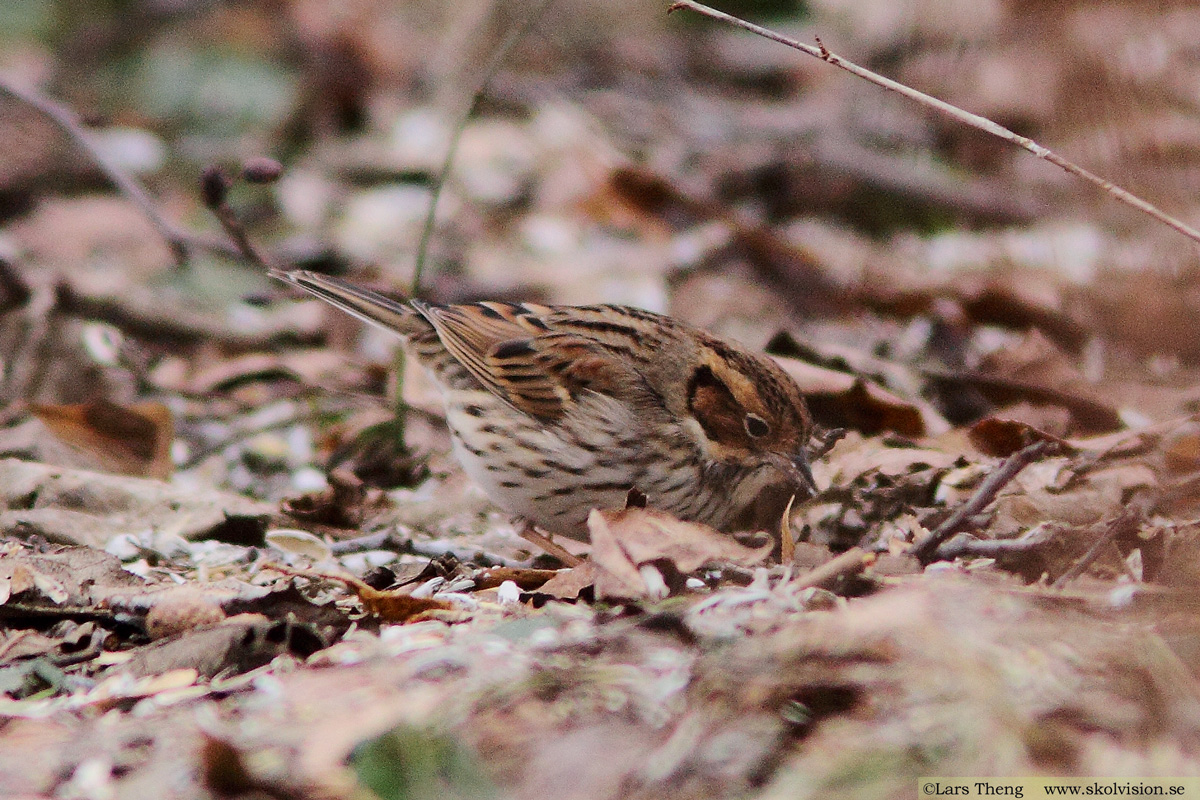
x=209, y=450
x=168, y=326
x=489, y=72
x=529, y=534
x=989, y=548
x=215, y=184
x=974, y=120
x=1126, y=523
x=925, y=550
x=237, y=232
x=787, y=545
x=849, y=563
x=178, y=240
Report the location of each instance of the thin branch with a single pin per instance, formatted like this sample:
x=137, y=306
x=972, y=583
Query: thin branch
x=214, y=189
x=1124, y=524
x=849, y=563
x=548, y=545
x=201, y=454
x=926, y=550
x=489, y=72
x=824, y=440
x=166, y=325
x=974, y=120
x=965, y=546
x=180, y=241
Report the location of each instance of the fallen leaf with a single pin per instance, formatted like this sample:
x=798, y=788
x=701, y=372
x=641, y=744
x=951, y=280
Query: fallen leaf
x=298, y=543
x=623, y=541
x=839, y=399
x=411, y=764
x=238, y=644
x=131, y=440
x=78, y=577
x=1181, y=448
x=568, y=583
x=81, y=507
x=1003, y=437
x=174, y=612
x=342, y=504
x=389, y=606
x=527, y=579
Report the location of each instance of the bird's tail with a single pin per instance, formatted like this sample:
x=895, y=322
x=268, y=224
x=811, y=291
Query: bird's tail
x=397, y=317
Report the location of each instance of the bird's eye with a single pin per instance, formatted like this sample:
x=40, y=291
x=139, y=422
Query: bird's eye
x=756, y=426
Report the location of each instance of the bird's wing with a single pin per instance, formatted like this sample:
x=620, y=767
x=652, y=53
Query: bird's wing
x=525, y=356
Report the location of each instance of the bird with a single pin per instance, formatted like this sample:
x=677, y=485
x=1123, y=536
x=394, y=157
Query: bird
x=558, y=410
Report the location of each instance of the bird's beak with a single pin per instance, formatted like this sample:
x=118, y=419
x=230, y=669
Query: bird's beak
x=800, y=462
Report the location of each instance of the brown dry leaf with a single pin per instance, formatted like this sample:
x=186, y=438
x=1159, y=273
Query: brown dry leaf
x=568, y=583
x=1181, y=448
x=131, y=440
x=389, y=606
x=1003, y=437
x=857, y=455
x=839, y=399
x=19, y=644
x=396, y=606
x=237, y=645
x=1149, y=311
x=528, y=579
x=1036, y=496
x=186, y=608
x=1088, y=415
x=622, y=541
x=78, y=507
x=69, y=581
x=1021, y=300
x=307, y=367
x=779, y=261
x=1037, y=371
x=342, y=504
x=1036, y=360
x=1017, y=301
x=79, y=577
x=1181, y=559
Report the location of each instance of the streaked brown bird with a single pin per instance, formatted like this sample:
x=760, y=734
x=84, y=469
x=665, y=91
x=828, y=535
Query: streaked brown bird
x=556, y=410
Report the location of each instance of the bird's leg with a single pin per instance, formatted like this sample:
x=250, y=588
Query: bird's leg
x=530, y=534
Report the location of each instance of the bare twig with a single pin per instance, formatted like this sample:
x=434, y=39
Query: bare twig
x=851, y=562
x=180, y=241
x=214, y=186
x=824, y=440
x=26, y=364
x=531, y=535
x=988, y=548
x=1124, y=524
x=926, y=550
x=167, y=325
x=514, y=36
x=201, y=454
x=974, y=120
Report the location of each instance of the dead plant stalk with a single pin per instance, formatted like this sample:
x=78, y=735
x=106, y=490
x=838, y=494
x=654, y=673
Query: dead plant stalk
x=974, y=120
x=180, y=241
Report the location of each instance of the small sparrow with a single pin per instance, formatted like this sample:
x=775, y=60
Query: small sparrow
x=556, y=410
